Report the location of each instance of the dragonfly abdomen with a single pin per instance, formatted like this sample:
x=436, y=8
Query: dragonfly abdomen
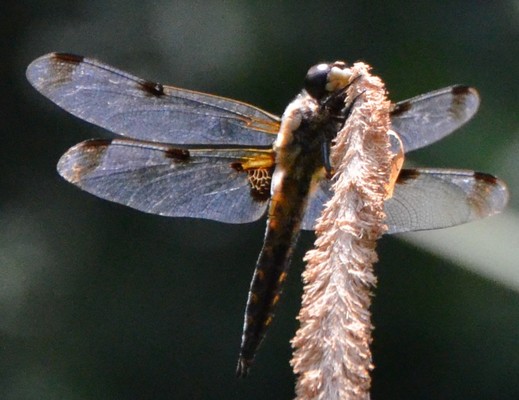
x=286, y=211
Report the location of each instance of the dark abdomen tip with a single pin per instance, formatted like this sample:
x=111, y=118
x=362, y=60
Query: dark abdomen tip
x=242, y=370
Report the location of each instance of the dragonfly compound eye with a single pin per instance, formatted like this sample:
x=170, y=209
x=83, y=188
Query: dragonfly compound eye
x=316, y=80
x=322, y=79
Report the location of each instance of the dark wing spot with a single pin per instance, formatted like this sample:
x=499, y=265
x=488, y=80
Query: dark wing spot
x=459, y=106
x=489, y=195
x=401, y=108
x=260, y=179
x=461, y=90
x=62, y=66
x=83, y=159
x=152, y=88
x=91, y=143
x=478, y=198
x=407, y=174
x=177, y=154
x=487, y=178
x=237, y=166
x=69, y=58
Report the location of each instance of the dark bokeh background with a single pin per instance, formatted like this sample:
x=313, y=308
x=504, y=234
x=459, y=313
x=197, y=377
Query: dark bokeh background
x=98, y=301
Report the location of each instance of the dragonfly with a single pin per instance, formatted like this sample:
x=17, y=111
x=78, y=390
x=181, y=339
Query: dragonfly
x=190, y=154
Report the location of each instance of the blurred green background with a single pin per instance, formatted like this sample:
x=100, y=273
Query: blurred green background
x=98, y=301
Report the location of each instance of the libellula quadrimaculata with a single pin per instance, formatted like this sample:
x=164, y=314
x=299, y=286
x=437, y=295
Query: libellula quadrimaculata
x=191, y=154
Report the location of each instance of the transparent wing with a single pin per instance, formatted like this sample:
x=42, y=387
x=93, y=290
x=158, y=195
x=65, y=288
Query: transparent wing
x=438, y=198
x=318, y=198
x=426, y=199
x=161, y=179
x=145, y=110
x=430, y=117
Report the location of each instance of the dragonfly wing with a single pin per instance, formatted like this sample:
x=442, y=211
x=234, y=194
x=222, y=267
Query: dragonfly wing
x=164, y=180
x=318, y=198
x=144, y=110
x=436, y=198
x=427, y=118
x=426, y=199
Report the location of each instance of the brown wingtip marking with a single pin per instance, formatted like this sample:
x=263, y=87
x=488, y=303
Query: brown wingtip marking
x=68, y=57
x=401, y=108
x=154, y=89
x=483, y=190
x=59, y=69
x=74, y=168
x=177, y=154
x=94, y=143
x=487, y=178
x=406, y=175
x=462, y=90
x=490, y=195
x=459, y=100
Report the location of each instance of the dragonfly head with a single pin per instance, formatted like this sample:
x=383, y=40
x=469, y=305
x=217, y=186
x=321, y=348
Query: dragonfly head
x=324, y=79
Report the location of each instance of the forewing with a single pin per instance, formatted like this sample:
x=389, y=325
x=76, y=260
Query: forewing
x=427, y=118
x=161, y=179
x=145, y=110
x=434, y=198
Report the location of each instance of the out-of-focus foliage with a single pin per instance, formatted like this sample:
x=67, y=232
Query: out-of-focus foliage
x=98, y=301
